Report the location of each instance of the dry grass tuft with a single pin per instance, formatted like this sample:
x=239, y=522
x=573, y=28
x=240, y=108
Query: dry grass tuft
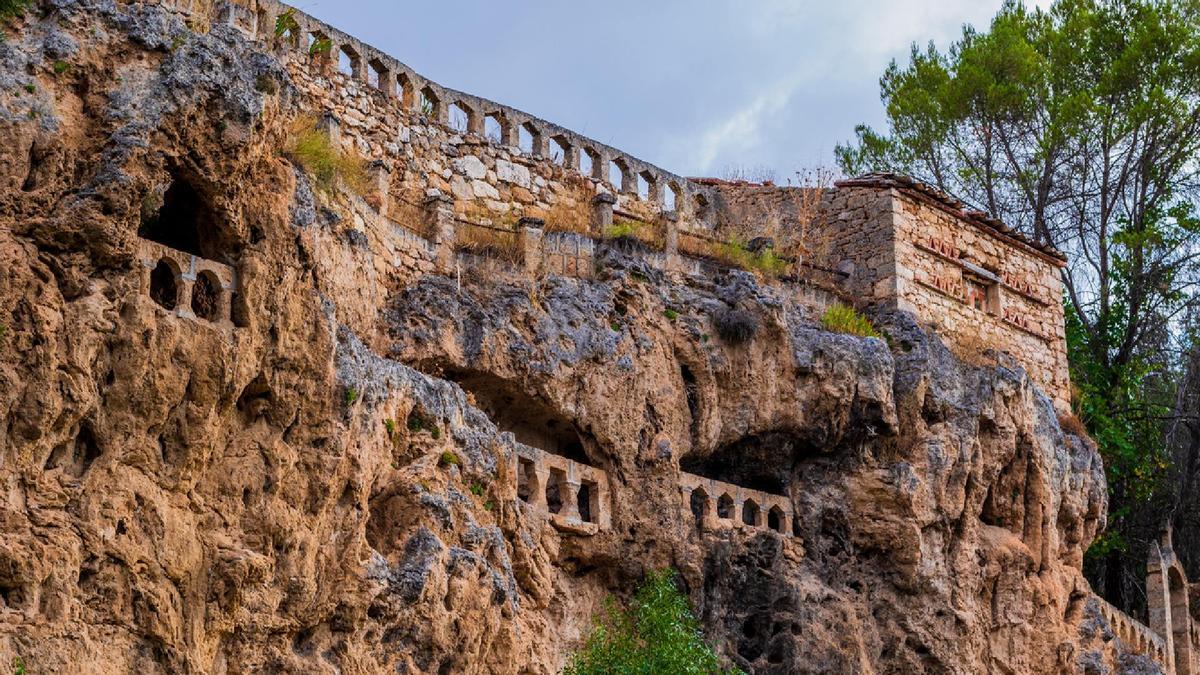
x=310, y=147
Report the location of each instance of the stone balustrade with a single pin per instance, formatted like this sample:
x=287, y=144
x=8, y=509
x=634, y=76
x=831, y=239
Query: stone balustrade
x=188, y=285
x=576, y=496
x=717, y=505
x=1134, y=635
x=627, y=176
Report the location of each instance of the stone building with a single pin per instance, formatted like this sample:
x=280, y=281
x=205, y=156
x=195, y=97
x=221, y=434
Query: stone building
x=898, y=243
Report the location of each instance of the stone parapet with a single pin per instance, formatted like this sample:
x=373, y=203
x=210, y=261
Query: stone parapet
x=1134, y=635
x=576, y=497
x=197, y=288
x=717, y=506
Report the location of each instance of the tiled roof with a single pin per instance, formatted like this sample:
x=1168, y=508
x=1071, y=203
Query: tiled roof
x=952, y=205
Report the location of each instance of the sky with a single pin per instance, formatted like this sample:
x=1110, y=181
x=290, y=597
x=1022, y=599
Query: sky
x=696, y=87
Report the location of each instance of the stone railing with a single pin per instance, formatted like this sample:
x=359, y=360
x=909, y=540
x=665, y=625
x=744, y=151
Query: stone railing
x=188, y=285
x=577, y=497
x=1134, y=635
x=719, y=505
x=627, y=176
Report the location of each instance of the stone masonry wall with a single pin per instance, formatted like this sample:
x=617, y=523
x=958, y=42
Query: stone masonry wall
x=980, y=292
x=440, y=155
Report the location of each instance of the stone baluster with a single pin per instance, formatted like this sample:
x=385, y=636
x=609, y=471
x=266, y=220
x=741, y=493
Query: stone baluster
x=569, y=490
x=537, y=486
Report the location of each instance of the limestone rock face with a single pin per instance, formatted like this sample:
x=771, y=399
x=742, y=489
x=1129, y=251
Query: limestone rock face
x=325, y=481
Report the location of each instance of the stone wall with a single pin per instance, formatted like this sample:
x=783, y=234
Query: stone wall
x=981, y=292
x=452, y=169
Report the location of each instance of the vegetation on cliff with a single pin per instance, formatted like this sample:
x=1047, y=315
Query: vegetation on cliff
x=656, y=633
x=1081, y=126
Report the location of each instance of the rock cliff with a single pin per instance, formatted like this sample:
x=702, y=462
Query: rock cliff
x=329, y=484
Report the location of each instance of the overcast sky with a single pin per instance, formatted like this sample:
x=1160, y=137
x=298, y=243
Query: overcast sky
x=694, y=86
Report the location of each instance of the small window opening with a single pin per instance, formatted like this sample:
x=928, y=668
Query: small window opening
x=589, y=498
x=616, y=175
x=459, y=118
x=493, y=130
x=587, y=162
x=429, y=103
x=377, y=74
x=775, y=519
x=699, y=504
x=558, y=150
x=645, y=187
x=164, y=284
x=347, y=62
x=750, y=512
x=701, y=207
x=725, y=507
x=525, y=138
x=526, y=479
x=206, y=296
x=554, y=490
x=671, y=197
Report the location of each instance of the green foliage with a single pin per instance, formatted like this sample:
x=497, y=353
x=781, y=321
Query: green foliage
x=286, y=24
x=477, y=488
x=351, y=395
x=840, y=318
x=322, y=47
x=31, y=88
x=448, y=459
x=18, y=665
x=657, y=633
x=736, y=253
x=11, y=9
x=390, y=425
x=312, y=149
x=670, y=314
x=61, y=67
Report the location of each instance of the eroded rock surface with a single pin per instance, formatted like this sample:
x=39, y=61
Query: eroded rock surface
x=329, y=485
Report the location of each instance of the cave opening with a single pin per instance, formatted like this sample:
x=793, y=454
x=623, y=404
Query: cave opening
x=183, y=219
x=531, y=421
x=691, y=391
x=762, y=462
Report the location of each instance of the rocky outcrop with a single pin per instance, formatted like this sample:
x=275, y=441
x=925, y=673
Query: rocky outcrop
x=328, y=481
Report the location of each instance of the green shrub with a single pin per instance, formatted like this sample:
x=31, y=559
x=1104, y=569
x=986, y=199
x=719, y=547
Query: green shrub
x=670, y=314
x=390, y=424
x=31, y=88
x=11, y=9
x=448, y=459
x=842, y=319
x=312, y=149
x=351, y=395
x=321, y=47
x=477, y=488
x=61, y=67
x=657, y=633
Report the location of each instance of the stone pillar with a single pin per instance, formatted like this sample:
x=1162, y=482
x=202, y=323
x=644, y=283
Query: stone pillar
x=629, y=181
x=510, y=134
x=541, y=144
x=440, y=223
x=670, y=225
x=387, y=83
x=530, y=231
x=330, y=125
x=1158, y=601
x=474, y=121
x=381, y=179
x=602, y=212
x=600, y=166
x=570, y=155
